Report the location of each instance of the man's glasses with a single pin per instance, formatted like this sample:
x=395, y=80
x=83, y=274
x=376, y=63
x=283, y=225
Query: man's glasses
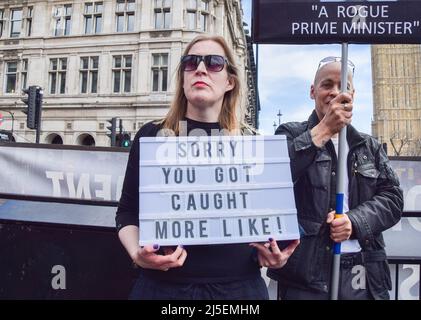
x=213, y=62
x=328, y=60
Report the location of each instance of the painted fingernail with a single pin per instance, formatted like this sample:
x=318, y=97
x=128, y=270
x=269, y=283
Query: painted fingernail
x=270, y=239
x=156, y=246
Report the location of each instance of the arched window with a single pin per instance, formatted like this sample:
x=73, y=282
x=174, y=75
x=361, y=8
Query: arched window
x=54, y=138
x=86, y=140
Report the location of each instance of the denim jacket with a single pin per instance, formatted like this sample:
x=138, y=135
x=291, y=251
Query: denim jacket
x=375, y=202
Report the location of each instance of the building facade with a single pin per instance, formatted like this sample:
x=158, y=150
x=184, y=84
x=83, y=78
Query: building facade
x=101, y=59
x=397, y=98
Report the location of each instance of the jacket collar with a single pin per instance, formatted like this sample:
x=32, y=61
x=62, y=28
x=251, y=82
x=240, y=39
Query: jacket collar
x=352, y=135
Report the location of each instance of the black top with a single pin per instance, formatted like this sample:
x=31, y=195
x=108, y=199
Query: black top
x=204, y=263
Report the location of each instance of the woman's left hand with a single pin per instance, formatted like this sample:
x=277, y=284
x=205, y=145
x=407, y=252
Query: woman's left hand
x=269, y=255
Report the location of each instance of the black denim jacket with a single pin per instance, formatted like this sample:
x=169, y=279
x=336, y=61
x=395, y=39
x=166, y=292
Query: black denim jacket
x=375, y=202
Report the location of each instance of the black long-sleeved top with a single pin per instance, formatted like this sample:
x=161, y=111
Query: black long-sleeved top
x=204, y=263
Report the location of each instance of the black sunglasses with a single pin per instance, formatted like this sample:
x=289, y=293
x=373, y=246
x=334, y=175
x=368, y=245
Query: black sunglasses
x=331, y=59
x=213, y=62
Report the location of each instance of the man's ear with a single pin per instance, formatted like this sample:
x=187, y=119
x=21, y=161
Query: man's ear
x=312, y=92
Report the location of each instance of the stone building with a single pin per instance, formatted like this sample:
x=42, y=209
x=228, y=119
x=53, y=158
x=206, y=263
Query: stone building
x=101, y=59
x=397, y=98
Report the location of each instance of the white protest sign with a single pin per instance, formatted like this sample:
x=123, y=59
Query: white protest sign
x=219, y=189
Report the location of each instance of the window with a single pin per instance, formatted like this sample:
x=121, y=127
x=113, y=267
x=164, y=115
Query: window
x=93, y=17
x=125, y=15
x=204, y=15
x=11, y=76
x=1, y=22
x=15, y=22
x=191, y=14
x=24, y=74
x=160, y=72
x=162, y=14
x=197, y=9
x=16, y=75
x=89, y=75
x=58, y=68
x=63, y=17
x=29, y=13
x=122, y=73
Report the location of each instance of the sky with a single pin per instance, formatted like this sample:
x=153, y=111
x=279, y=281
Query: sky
x=286, y=73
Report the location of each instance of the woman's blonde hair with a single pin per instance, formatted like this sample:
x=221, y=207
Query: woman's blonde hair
x=227, y=117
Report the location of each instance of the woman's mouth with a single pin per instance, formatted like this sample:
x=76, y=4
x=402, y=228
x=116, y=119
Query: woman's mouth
x=200, y=84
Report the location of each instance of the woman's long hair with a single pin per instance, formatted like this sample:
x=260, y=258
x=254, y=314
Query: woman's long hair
x=227, y=117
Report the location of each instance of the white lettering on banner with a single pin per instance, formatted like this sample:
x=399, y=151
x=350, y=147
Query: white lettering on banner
x=55, y=179
x=363, y=11
x=314, y=28
x=407, y=285
x=84, y=185
x=415, y=223
x=411, y=198
x=120, y=181
x=380, y=28
x=354, y=28
x=104, y=181
x=192, y=197
x=353, y=21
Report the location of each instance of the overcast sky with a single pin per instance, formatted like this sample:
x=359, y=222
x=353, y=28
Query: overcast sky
x=286, y=73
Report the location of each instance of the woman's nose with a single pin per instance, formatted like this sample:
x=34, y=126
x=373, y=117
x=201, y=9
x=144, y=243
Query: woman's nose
x=201, y=67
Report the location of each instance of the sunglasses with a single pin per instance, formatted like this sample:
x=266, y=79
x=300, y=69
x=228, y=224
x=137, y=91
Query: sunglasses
x=213, y=62
x=328, y=60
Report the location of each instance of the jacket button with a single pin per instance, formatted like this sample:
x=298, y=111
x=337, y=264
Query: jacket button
x=364, y=157
x=327, y=248
x=333, y=173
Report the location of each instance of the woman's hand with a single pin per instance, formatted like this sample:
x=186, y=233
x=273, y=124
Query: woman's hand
x=269, y=255
x=147, y=258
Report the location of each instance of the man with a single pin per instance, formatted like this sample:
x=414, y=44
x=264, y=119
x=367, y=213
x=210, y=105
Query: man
x=373, y=201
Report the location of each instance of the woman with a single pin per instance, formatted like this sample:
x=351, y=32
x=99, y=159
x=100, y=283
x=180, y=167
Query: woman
x=206, y=97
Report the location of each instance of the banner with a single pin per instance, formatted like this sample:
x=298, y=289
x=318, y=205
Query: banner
x=323, y=22
x=89, y=173
x=209, y=190
x=409, y=173
x=66, y=173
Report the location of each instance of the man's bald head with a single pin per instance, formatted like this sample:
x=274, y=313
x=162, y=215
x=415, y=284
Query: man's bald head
x=327, y=85
x=329, y=67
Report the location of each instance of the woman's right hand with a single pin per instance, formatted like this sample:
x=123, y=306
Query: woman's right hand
x=147, y=258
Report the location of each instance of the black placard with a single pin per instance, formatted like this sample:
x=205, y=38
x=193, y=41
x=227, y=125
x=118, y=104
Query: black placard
x=322, y=22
